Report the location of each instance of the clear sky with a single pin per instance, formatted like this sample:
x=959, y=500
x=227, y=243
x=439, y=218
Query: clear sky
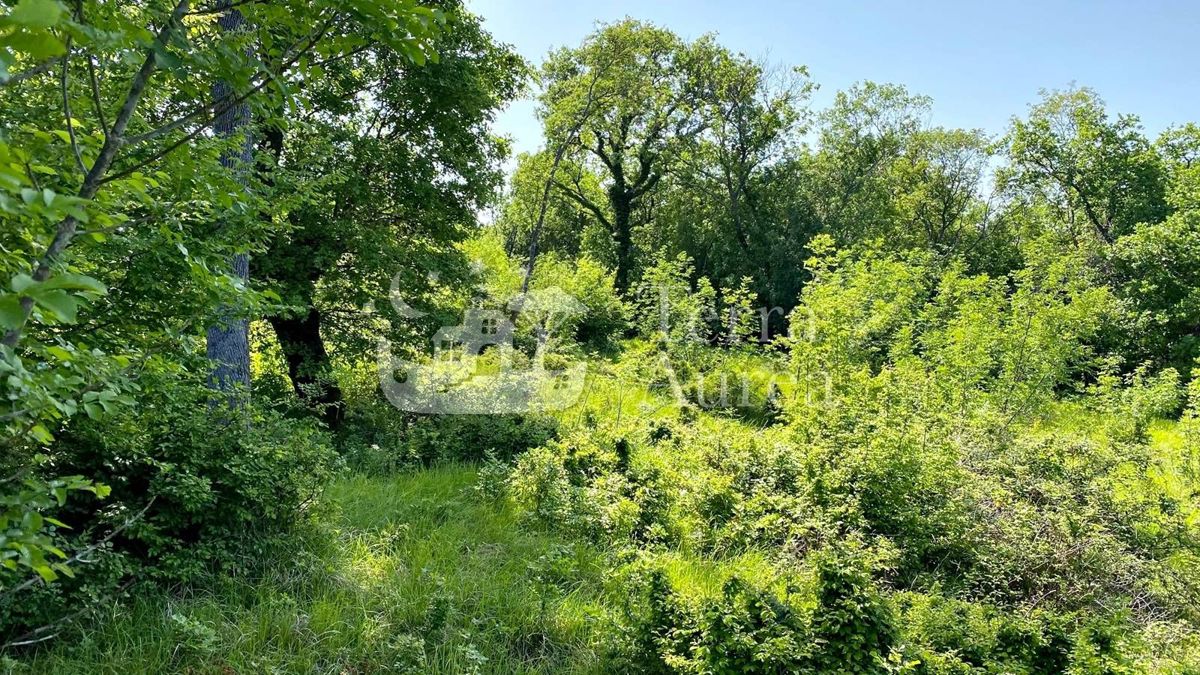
x=981, y=61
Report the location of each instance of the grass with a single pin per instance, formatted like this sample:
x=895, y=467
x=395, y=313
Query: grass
x=422, y=573
x=404, y=574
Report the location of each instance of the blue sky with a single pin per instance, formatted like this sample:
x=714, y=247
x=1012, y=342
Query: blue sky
x=981, y=62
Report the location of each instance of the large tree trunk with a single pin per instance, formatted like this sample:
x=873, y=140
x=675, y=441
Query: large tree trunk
x=622, y=206
x=229, y=340
x=308, y=364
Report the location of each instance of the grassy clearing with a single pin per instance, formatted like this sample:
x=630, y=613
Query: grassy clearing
x=412, y=573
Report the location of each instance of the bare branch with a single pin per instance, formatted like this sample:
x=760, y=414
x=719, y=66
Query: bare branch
x=96, y=102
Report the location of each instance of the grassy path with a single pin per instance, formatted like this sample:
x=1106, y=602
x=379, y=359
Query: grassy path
x=404, y=574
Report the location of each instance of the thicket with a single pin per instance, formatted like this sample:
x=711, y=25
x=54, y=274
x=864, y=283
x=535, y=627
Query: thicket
x=859, y=405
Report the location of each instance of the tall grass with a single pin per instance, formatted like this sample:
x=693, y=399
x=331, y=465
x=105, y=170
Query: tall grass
x=405, y=574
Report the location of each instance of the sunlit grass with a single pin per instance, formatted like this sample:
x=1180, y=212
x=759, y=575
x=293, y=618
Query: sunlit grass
x=406, y=574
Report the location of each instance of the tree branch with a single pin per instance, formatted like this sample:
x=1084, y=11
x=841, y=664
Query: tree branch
x=97, y=104
x=573, y=133
x=224, y=7
x=586, y=203
x=40, y=69
x=66, y=101
x=221, y=108
x=66, y=230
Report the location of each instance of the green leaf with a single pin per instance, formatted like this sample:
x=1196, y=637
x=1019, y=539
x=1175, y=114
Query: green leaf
x=41, y=433
x=166, y=60
x=75, y=282
x=22, y=282
x=32, y=521
x=38, y=44
x=61, y=305
x=37, y=13
x=60, y=353
x=11, y=313
x=45, y=573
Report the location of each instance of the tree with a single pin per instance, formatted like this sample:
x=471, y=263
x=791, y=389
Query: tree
x=1157, y=266
x=864, y=132
x=1097, y=174
x=567, y=227
x=112, y=189
x=378, y=189
x=749, y=123
x=229, y=341
x=716, y=208
x=645, y=76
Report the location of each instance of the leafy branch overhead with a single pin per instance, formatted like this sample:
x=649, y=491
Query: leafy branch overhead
x=126, y=87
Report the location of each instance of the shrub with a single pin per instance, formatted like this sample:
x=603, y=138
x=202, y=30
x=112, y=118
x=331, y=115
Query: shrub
x=853, y=627
x=591, y=284
x=953, y=636
x=471, y=438
x=216, y=492
x=837, y=624
x=671, y=305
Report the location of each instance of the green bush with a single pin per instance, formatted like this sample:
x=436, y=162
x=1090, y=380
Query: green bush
x=217, y=488
x=591, y=284
x=951, y=636
x=470, y=438
x=838, y=623
x=587, y=484
x=378, y=439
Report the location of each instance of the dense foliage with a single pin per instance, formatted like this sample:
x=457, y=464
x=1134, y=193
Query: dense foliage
x=861, y=394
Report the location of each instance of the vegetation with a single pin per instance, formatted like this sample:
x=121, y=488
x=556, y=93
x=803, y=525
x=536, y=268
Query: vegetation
x=861, y=395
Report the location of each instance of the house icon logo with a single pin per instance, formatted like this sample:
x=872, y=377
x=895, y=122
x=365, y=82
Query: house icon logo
x=480, y=329
x=450, y=383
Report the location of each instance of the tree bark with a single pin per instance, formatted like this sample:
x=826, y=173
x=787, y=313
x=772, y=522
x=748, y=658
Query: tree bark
x=622, y=206
x=229, y=339
x=308, y=364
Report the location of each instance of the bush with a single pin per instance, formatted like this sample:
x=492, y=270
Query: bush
x=952, y=636
x=839, y=623
x=591, y=284
x=588, y=485
x=216, y=492
x=406, y=441
x=472, y=438
x=671, y=305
